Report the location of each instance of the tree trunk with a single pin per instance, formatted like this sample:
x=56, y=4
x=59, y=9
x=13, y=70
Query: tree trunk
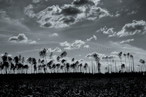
x=31, y=68
x=92, y=68
x=115, y=67
x=133, y=64
x=108, y=69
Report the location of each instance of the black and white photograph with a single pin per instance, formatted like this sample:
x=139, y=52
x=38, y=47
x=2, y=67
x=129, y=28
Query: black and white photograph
x=72, y=48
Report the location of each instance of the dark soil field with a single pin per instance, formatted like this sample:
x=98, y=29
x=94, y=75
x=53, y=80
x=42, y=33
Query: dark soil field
x=74, y=87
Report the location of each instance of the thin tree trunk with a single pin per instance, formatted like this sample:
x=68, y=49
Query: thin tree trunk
x=31, y=68
x=92, y=68
x=133, y=64
x=115, y=67
x=108, y=69
x=129, y=63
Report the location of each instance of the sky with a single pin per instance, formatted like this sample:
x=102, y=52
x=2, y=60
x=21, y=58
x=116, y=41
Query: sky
x=79, y=27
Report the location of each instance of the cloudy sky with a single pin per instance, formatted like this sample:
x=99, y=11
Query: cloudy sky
x=78, y=26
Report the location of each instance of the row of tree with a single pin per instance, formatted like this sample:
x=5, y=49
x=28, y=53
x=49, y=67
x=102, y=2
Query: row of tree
x=127, y=64
x=19, y=64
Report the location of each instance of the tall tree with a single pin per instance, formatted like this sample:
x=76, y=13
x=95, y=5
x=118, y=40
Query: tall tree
x=20, y=58
x=128, y=57
x=120, y=56
x=5, y=62
x=125, y=60
x=16, y=60
x=10, y=62
x=85, y=67
x=122, y=67
x=1, y=67
x=49, y=65
x=51, y=54
x=132, y=59
x=29, y=60
x=43, y=54
x=25, y=67
x=80, y=67
x=34, y=63
x=67, y=67
x=143, y=63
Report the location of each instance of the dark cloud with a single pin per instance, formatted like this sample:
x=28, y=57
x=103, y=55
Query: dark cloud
x=70, y=10
x=68, y=14
x=68, y=20
x=47, y=25
x=83, y=2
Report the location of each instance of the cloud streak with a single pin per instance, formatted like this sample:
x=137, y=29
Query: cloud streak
x=75, y=45
x=57, y=49
x=54, y=35
x=93, y=37
x=127, y=41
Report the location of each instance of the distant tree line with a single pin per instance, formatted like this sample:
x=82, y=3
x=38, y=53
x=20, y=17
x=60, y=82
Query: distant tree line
x=20, y=65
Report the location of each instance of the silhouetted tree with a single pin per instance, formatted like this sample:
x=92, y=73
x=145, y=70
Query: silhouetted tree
x=43, y=54
x=125, y=58
x=120, y=56
x=51, y=54
x=34, y=63
x=122, y=67
x=73, y=59
x=63, y=54
x=128, y=57
x=5, y=63
x=132, y=59
x=63, y=61
x=53, y=67
x=80, y=67
x=29, y=60
x=49, y=64
x=25, y=67
x=23, y=59
x=11, y=63
x=67, y=67
x=58, y=58
x=1, y=67
x=57, y=66
x=143, y=63
x=61, y=67
x=85, y=67
x=20, y=58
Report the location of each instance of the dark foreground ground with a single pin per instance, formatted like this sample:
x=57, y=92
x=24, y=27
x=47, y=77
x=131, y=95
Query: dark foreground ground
x=71, y=86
